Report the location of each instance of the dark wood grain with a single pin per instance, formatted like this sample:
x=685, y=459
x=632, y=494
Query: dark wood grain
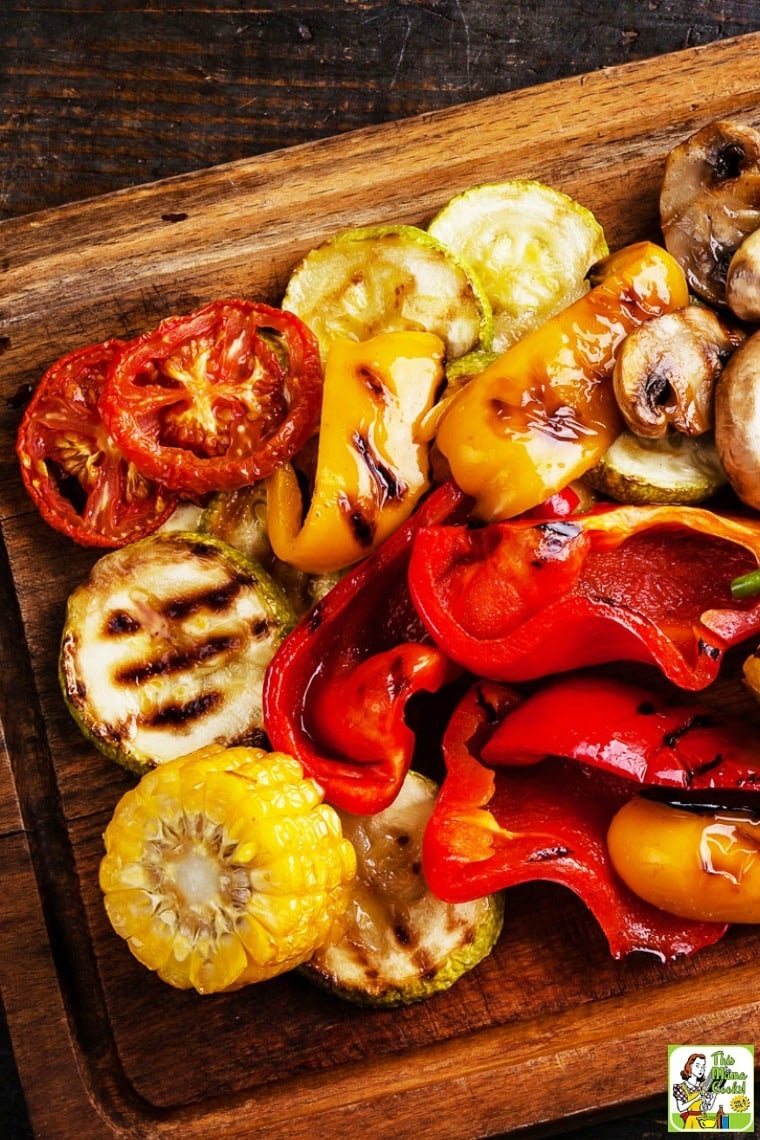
x=96, y=99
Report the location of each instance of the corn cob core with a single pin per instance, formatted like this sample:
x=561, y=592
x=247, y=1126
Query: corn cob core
x=224, y=868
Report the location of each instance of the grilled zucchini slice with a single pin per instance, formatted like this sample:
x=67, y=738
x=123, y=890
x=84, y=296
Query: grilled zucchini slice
x=375, y=279
x=165, y=646
x=530, y=245
x=400, y=942
x=676, y=468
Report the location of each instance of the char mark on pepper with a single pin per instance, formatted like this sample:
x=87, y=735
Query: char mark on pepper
x=546, y=854
x=374, y=383
x=701, y=720
x=563, y=424
x=705, y=649
x=390, y=487
x=555, y=535
x=362, y=528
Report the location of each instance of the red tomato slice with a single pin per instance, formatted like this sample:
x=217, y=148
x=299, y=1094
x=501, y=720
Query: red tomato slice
x=217, y=399
x=80, y=481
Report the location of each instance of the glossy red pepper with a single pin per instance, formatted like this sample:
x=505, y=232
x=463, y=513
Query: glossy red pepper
x=623, y=728
x=522, y=599
x=336, y=691
x=493, y=829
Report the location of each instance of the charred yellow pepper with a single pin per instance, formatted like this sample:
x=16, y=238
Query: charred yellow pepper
x=373, y=453
x=544, y=412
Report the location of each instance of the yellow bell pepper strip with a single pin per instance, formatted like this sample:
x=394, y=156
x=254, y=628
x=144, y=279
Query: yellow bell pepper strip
x=495, y=826
x=519, y=599
x=543, y=414
x=373, y=455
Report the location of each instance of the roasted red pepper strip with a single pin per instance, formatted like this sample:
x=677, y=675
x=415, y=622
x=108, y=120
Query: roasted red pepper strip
x=336, y=690
x=494, y=829
x=619, y=727
x=521, y=599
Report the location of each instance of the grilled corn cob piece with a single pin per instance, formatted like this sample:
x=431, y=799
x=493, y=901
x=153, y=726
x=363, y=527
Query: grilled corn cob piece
x=224, y=868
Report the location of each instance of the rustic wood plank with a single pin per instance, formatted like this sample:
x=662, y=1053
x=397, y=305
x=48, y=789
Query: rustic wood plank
x=97, y=100
x=549, y=1004
x=117, y=264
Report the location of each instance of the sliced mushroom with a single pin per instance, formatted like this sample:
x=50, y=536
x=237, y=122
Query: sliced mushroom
x=743, y=279
x=710, y=201
x=665, y=373
x=737, y=420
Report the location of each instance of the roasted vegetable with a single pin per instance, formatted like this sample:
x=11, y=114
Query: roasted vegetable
x=698, y=863
x=743, y=279
x=224, y=868
x=737, y=421
x=81, y=482
x=530, y=245
x=495, y=826
x=399, y=943
x=620, y=727
x=372, y=462
x=672, y=469
x=165, y=646
x=216, y=399
x=710, y=201
x=336, y=691
x=377, y=279
x=518, y=600
x=545, y=412
x=665, y=373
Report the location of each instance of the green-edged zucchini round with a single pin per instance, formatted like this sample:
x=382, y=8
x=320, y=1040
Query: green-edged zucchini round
x=674, y=469
x=165, y=646
x=401, y=943
x=530, y=245
x=375, y=279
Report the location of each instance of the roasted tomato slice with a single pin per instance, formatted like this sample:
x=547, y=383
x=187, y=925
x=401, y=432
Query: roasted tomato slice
x=80, y=481
x=215, y=400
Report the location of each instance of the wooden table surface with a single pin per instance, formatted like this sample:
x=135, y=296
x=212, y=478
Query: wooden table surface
x=95, y=97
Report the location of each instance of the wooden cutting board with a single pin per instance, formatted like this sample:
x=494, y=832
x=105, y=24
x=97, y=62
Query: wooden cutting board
x=549, y=1029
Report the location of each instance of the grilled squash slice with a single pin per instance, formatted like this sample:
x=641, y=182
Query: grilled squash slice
x=165, y=646
x=530, y=245
x=375, y=279
x=400, y=943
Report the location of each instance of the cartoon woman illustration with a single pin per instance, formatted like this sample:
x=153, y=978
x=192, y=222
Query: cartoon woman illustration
x=691, y=1094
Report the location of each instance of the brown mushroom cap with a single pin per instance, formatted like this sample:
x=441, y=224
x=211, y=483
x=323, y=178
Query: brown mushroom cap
x=666, y=369
x=710, y=201
x=743, y=279
x=737, y=420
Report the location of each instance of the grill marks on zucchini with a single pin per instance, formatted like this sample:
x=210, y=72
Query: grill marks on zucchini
x=398, y=943
x=165, y=648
